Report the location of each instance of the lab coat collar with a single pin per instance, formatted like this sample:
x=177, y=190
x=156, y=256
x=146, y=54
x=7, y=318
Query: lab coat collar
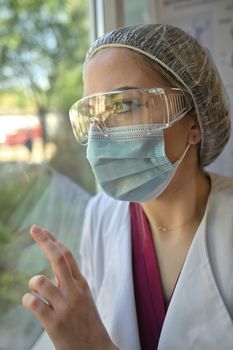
x=118, y=313
x=197, y=317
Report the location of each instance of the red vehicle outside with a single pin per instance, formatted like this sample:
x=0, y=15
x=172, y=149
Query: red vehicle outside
x=16, y=130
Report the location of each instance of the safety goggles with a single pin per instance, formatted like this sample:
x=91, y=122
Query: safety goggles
x=161, y=107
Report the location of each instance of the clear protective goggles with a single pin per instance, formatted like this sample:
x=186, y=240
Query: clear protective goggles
x=161, y=107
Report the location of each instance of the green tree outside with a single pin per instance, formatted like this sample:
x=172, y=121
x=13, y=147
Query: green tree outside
x=42, y=48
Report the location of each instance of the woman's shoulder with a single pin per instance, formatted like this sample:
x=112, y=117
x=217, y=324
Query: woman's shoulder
x=105, y=215
x=221, y=184
x=219, y=235
x=103, y=204
x=106, y=222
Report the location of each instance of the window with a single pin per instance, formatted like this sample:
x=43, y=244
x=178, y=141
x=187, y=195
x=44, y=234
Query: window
x=44, y=176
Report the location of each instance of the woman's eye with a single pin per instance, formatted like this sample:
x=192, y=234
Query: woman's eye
x=126, y=106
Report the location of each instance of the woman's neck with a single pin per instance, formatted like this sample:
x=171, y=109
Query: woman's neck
x=180, y=206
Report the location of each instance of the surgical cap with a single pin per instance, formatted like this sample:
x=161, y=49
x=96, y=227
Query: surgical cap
x=179, y=54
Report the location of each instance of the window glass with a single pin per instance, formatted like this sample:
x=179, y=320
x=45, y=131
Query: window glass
x=45, y=178
x=136, y=12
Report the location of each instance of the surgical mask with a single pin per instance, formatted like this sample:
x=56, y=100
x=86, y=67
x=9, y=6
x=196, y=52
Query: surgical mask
x=132, y=165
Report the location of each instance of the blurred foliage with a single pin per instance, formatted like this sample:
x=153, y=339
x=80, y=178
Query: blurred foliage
x=46, y=43
x=31, y=194
x=12, y=287
x=5, y=234
x=15, y=100
x=12, y=193
x=12, y=282
x=42, y=48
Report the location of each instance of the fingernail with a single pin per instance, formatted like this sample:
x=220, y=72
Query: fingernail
x=27, y=299
x=38, y=233
x=35, y=229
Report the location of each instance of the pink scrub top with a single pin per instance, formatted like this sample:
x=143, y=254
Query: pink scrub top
x=150, y=303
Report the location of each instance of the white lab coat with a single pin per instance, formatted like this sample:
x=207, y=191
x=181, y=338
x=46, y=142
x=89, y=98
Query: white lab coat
x=200, y=313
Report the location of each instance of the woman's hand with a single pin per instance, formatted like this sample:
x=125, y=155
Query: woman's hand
x=70, y=316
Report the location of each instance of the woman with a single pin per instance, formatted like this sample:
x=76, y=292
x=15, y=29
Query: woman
x=156, y=248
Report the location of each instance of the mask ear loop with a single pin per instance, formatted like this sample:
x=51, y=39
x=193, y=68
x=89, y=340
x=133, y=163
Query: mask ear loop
x=177, y=163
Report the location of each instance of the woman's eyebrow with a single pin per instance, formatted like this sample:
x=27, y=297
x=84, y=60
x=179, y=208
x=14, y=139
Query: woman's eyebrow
x=125, y=88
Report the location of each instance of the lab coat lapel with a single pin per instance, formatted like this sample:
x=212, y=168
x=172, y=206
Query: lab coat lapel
x=116, y=302
x=197, y=318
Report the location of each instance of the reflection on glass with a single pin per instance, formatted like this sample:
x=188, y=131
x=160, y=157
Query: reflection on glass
x=40, y=195
x=44, y=176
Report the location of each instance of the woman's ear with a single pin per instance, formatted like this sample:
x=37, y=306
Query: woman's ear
x=194, y=134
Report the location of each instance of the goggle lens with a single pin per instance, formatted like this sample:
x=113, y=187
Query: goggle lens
x=159, y=106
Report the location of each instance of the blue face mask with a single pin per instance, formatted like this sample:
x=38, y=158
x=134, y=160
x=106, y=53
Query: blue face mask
x=131, y=164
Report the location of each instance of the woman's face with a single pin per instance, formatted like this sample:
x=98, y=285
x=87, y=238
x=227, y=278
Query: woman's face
x=115, y=68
